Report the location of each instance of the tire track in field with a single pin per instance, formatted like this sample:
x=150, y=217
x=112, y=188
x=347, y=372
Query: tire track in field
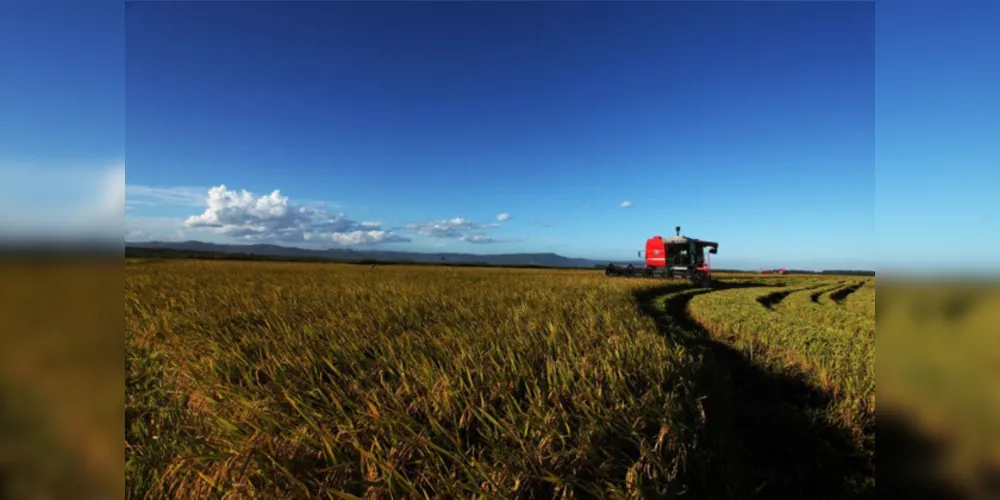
x=772, y=300
x=840, y=295
x=814, y=297
x=763, y=435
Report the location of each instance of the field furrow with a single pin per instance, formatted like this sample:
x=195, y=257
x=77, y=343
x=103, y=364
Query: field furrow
x=842, y=294
x=822, y=297
x=840, y=362
x=773, y=300
x=862, y=300
x=803, y=306
x=766, y=425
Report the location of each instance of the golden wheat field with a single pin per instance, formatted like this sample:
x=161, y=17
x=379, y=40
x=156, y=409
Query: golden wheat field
x=292, y=380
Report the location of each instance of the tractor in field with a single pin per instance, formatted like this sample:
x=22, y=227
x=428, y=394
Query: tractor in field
x=676, y=257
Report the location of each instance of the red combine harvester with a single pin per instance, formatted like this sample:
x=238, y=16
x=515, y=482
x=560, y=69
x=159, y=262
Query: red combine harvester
x=677, y=257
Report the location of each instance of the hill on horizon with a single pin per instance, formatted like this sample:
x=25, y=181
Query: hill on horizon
x=508, y=259
x=544, y=259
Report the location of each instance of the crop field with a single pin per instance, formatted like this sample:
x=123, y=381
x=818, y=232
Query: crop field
x=290, y=380
x=293, y=380
x=320, y=380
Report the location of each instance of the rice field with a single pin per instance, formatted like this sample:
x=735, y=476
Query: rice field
x=342, y=381
x=290, y=380
x=787, y=330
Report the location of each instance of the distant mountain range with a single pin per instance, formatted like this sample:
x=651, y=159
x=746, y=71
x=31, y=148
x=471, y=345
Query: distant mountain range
x=513, y=259
x=278, y=252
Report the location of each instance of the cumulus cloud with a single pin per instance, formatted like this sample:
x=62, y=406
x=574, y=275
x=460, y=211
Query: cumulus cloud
x=453, y=228
x=503, y=217
x=272, y=217
x=626, y=204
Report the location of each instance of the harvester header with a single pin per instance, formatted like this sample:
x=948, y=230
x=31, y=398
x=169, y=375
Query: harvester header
x=674, y=257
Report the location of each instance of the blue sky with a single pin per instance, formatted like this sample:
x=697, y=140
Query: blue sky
x=413, y=126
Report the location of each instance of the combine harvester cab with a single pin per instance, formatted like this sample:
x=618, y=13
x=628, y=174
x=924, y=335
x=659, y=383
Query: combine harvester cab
x=677, y=257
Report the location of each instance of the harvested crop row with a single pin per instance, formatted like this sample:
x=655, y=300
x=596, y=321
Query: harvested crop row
x=801, y=305
x=824, y=298
x=841, y=363
x=863, y=299
x=773, y=299
x=838, y=297
x=288, y=380
x=798, y=297
x=765, y=428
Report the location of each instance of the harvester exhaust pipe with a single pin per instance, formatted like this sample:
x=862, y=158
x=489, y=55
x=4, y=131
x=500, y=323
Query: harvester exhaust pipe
x=678, y=229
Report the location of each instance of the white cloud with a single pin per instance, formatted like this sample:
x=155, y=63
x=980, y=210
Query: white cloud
x=245, y=216
x=503, y=217
x=454, y=228
x=367, y=238
x=626, y=204
x=457, y=228
x=478, y=238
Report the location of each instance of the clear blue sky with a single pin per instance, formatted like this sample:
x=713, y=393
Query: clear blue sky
x=749, y=123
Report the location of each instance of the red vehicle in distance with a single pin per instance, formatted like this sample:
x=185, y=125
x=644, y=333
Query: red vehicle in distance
x=676, y=257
